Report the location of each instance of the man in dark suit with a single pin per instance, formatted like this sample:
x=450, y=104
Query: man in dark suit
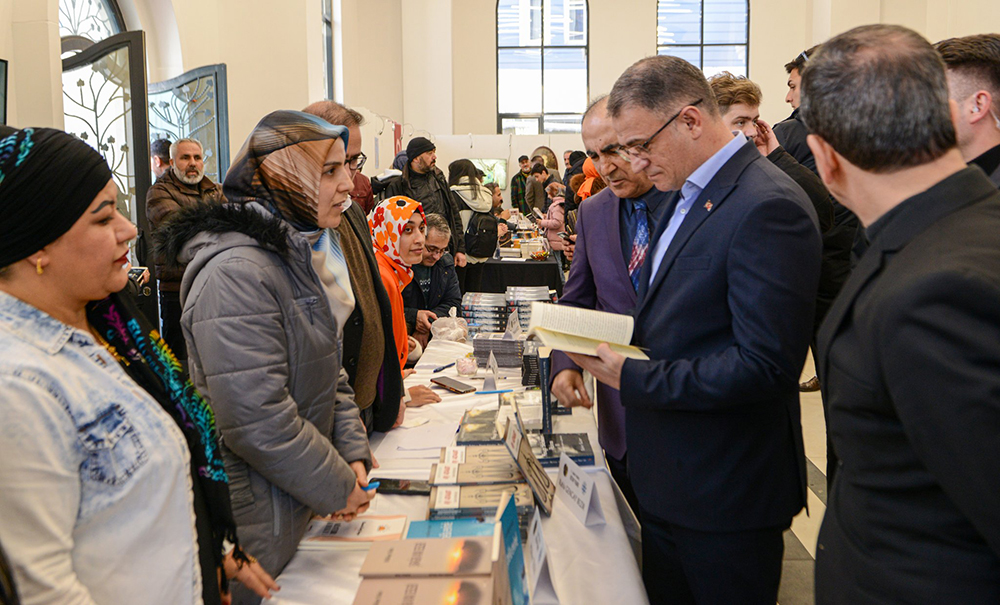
x=725, y=308
x=973, y=64
x=909, y=355
x=612, y=227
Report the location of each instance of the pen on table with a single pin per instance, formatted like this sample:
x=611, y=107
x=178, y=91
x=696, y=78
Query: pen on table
x=443, y=368
x=495, y=392
x=371, y=486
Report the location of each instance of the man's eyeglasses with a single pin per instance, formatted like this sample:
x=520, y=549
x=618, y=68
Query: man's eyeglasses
x=357, y=162
x=434, y=250
x=641, y=149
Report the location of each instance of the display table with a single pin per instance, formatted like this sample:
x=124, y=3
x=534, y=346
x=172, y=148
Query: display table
x=500, y=273
x=588, y=564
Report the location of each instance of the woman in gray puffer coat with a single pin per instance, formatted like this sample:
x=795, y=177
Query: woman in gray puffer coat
x=265, y=294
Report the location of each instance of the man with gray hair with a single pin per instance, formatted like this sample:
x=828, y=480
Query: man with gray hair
x=909, y=354
x=183, y=184
x=434, y=289
x=725, y=310
x=973, y=69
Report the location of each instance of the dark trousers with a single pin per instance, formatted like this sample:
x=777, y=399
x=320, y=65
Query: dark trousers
x=681, y=566
x=170, y=319
x=619, y=472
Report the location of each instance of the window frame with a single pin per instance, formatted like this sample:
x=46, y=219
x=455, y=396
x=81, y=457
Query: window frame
x=539, y=116
x=701, y=45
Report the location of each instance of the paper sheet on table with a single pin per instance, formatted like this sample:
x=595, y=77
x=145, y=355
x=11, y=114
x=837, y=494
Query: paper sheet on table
x=419, y=442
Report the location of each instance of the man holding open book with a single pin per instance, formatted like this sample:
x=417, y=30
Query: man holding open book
x=725, y=310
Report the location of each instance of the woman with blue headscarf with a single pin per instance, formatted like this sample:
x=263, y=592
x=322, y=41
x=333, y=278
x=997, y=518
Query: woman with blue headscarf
x=265, y=295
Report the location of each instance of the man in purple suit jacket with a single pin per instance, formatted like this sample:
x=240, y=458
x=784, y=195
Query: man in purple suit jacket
x=599, y=277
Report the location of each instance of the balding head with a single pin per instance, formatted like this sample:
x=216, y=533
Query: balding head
x=601, y=143
x=877, y=94
x=341, y=115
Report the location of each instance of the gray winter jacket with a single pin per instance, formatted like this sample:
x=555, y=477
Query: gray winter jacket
x=264, y=350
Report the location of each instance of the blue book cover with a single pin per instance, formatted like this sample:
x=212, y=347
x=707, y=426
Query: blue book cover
x=511, y=531
x=455, y=528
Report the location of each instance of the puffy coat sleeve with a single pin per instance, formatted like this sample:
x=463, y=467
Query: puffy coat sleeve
x=239, y=357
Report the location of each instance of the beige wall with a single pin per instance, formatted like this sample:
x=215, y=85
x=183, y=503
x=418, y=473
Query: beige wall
x=372, y=55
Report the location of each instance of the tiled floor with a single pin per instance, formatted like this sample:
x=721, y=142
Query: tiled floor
x=800, y=541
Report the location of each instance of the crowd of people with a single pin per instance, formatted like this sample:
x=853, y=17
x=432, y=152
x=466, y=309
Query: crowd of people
x=182, y=463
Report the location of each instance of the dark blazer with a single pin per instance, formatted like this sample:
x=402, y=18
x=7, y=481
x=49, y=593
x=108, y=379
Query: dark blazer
x=712, y=419
x=386, y=405
x=598, y=279
x=909, y=360
x=444, y=293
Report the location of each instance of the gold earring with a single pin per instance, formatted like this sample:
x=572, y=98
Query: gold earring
x=38, y=267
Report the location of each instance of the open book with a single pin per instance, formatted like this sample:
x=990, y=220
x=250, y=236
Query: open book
x=576, y=330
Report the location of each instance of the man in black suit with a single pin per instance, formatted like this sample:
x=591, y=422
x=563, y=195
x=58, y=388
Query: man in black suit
x=725, y=308
x=909, y=354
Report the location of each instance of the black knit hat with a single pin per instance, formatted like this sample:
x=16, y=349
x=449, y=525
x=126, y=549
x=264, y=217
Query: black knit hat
x=418, y=145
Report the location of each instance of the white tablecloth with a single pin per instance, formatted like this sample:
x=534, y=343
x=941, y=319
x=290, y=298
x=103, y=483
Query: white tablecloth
x=588, y=564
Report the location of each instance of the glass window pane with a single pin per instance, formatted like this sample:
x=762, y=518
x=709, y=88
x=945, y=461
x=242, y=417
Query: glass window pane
x=519, y=23
x=188, y=111
x=691, y=54
x=561, y=124
x=565, y=79
x=97, y=101
x=519, y=125
x=725, y=22
x=90, y=19
x=519, y=80
x=565, y=22
x=678, y=22
x=725, y=58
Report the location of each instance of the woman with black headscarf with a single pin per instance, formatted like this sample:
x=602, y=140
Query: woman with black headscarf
x=265, y=294
x=111, y=486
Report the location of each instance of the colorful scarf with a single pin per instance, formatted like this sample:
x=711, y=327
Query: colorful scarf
x=281, y=164
x=591, y=174
x=387, y=223
x=149, y=362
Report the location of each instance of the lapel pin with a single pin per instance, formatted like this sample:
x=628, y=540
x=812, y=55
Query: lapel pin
x=708, y=206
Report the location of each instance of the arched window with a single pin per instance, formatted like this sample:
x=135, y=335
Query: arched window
x=542, y=65
x=711, y=34
x=84, y=22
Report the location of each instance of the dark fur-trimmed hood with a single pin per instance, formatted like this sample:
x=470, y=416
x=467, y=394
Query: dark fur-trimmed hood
x=184, y=226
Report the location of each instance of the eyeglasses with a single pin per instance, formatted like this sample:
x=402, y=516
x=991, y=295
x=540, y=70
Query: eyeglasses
x=434, y=250
x=357, y=162
x=641, y=149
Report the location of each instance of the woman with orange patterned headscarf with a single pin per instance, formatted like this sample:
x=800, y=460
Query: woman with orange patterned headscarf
x=397, y=226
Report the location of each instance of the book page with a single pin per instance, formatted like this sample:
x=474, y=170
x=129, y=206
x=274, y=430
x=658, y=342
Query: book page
x=597, y=325
x=583, y=345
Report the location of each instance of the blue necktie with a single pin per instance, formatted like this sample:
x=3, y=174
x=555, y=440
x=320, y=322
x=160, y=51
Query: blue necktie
x=640, y=242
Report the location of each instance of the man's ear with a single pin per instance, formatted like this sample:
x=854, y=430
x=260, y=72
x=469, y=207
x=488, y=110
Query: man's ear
x=827, y=160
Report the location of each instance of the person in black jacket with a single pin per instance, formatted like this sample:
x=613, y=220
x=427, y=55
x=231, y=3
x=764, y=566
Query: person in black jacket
x=423, y=182
x=909, y=355
x=434, y=289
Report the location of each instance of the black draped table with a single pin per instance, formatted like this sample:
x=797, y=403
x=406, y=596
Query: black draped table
x=500, y=273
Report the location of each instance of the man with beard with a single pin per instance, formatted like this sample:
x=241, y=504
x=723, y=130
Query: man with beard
x=612, y=238
x=183, y=184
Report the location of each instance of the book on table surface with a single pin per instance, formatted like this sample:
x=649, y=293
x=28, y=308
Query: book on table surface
x=324, y=533
x=456, y=501
x=449, y=528
x=476, y=590
x=547, y=448
x=475, y=473
x=478, y=427
x=484, y=454
x=576, y=330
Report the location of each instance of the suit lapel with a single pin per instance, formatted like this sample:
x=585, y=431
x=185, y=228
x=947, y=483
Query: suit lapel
x=718, y=189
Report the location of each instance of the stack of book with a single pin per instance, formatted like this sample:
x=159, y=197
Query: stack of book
x=484, y=312
x=506, y=352
x=519, y=298
x=509, y=252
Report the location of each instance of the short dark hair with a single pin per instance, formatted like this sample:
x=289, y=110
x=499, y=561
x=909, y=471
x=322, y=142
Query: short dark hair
x=801, y=59
x=523, y=158
x=661, y=84
x=160, y=148
x=438, y=223
x=538, y=168
x=976, y=57
x=335, y=113
x=537, y=159
x=878, y=95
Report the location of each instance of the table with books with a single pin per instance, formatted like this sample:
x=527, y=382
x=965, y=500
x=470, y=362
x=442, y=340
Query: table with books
x=587, y=564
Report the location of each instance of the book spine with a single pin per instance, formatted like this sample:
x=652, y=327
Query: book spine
x=544, y=368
